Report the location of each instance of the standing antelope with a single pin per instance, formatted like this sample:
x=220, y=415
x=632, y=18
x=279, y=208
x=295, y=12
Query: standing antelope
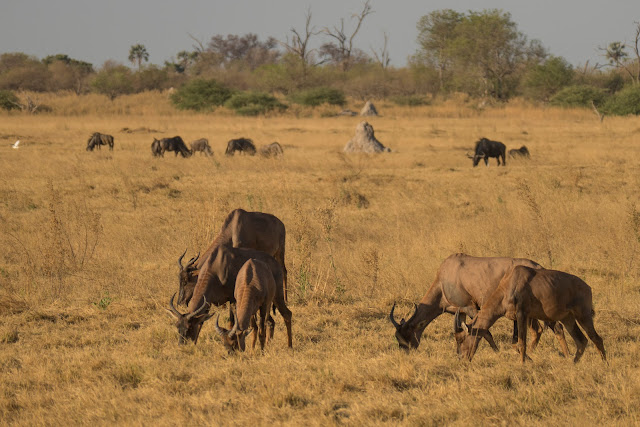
x=549, y=295
x=255, y=290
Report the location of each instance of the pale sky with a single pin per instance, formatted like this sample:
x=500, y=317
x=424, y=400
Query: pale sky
x=98, y=30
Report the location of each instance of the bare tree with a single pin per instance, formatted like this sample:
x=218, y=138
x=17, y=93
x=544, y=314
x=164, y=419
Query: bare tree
x=617, y=56
x=341, y=49
x=298, y=45
x=382, y=55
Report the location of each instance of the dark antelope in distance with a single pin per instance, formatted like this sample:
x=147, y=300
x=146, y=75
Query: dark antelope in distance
x=462, y=284
x=272, y=150
x=216, y=286
x=519, y=152
x=486, y=148
x=242, y=145
x=549, y=295
x=98, y=139
x=254, y=293
x=175, y=144
x=241, y=229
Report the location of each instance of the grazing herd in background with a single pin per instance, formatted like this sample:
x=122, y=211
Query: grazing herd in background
x=177, y=145
x=484, y=148
x=245, y=266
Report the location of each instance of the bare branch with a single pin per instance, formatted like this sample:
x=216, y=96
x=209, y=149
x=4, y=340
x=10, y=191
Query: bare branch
x=200, y=47
x=598, y=113
x=344, y=43
x=382, y=57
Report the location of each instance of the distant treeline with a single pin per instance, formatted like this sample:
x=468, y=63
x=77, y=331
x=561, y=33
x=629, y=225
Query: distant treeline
x=481, y=54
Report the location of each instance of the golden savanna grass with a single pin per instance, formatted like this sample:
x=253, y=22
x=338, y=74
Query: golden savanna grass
x=89, y=244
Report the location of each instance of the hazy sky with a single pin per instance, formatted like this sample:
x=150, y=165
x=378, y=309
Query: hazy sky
x=95, y=31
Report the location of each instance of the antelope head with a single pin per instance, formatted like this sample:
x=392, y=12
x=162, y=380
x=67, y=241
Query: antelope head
x=406, y=331
x=232, y=339
x=189, y=324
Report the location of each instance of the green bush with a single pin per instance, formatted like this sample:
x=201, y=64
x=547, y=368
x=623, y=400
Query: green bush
x=409, y=100
x=201, y=95
x=319, y=96
x=578, y=96
x=625, y=102
x=253, y=103
x=8, y=100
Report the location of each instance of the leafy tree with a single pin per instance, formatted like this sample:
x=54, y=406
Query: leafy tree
x=245, y=51
x=67, y=73
x=184, y=60
x=436, y=33
x=150, y=78
x=137, y=54
x=543, y=81
x=8, y=100
x=201, y=95
x=617, y=56
x=113, y=80
x=19, y=71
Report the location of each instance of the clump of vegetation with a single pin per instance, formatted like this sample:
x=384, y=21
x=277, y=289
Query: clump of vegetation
x=201, y=95
x=625, y=102
x=578, y=96
x=8, y=100
x=253, y=103
x=409, y=100
x=319, y=96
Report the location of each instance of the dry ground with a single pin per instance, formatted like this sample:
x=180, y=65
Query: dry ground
x=89, y=243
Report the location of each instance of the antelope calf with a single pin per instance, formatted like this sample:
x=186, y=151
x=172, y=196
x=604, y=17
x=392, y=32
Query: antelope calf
x=254, y=292
x=549, y=295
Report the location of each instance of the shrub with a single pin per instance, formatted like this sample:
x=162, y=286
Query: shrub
x=201, y=95
x=253, y=103
x=625, y=102
x=8, y=100
x=319, y=96
x=578, y=96
x=409, y=100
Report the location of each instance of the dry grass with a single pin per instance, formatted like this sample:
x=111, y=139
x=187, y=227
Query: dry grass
x=90, y=243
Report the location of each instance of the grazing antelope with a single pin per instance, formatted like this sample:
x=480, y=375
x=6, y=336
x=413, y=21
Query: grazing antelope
x=519, y=152
x=241, y=145
x=548, y=295
x=463, y=284
x=255, y=290
x=241, y=229
x=486, y=148
x=216, y=285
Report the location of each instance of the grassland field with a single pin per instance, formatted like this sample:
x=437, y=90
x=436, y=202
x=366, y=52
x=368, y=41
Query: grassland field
x=89, y=243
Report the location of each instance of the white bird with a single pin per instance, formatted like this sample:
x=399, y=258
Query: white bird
x=16, y=144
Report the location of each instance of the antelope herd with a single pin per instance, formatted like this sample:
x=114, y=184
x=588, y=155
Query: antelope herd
x=245, y=266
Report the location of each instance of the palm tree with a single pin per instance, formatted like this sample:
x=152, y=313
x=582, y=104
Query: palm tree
x=137, y=54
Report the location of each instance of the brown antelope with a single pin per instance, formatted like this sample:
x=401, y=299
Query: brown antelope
x=241, y=229
x=216, y=284
x=255, y=290
x=548, y=295
x=462, y=285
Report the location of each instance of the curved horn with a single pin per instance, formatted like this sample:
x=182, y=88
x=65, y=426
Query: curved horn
x=219, y=330
x=392, y=319
x=193, y=260
x=197, y=312
x=233, y=331
x=172, y=308
x=180, y=260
